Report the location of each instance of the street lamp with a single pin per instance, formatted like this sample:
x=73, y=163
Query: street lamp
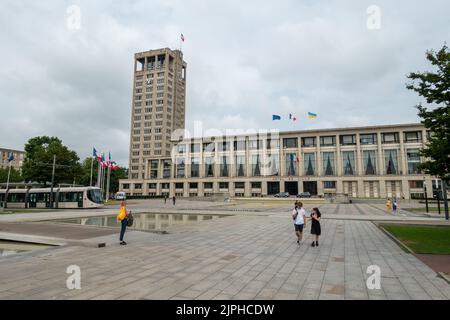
x=426, y=196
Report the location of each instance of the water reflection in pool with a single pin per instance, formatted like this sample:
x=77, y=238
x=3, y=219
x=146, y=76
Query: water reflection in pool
x=146, y=221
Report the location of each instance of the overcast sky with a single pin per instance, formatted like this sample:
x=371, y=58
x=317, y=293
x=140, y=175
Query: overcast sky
x=246, y=61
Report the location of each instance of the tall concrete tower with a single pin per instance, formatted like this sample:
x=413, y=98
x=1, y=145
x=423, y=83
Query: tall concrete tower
x=158, y=109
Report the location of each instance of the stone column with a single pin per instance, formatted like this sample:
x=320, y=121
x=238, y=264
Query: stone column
x=360, y=187
x=319, y=170
x=264, y=188
x=171, y=189
x=247, y=191
x=382, y=183
x=402, y=156
x=185, y=189
x=380, y=163
x=359, y=157
x=338, y=157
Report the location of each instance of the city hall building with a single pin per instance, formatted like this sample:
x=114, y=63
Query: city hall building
x=360, y=162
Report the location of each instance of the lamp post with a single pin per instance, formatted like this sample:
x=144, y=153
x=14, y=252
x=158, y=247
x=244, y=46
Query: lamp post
x=426, y=195
x=444, y=194
x=53, y=181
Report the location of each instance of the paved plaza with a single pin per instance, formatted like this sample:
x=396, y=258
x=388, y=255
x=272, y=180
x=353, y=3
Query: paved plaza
x=252, y=254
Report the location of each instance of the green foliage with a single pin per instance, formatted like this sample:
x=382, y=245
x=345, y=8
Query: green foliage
x=435, y=88
x=38, y=162
x=14, y=177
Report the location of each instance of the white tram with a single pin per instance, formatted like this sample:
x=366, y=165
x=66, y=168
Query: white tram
x=64, y=198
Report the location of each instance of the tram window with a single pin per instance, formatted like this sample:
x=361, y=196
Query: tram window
x=95, y=196
x=16, y=197
x=70, y=196
x=42, y=197
x=2, y=197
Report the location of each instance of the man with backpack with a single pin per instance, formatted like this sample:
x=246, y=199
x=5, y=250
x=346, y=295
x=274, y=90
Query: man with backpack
x=299, y=217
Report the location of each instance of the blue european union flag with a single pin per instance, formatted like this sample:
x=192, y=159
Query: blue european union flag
x=276, y=117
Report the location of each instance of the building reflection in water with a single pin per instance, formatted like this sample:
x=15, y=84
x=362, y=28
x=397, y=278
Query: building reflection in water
x=146, y=221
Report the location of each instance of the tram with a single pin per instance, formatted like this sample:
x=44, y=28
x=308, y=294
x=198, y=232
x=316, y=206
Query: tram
x=64, y=198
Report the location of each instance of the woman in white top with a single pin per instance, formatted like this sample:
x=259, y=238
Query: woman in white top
x=299, y=216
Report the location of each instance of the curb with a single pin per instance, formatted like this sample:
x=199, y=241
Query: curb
x=444, y=276
x=48, y=240
x=393, y=238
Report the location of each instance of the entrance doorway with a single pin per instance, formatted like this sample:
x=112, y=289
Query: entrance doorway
x=291, y=187
x=311, y=187
x=273, y=187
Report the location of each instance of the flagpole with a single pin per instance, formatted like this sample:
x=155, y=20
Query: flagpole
x=98, y=174
x=101, y=178
x=107, y=183
x=92, y=166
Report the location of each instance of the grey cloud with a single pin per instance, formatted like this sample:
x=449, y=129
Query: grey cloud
x=246, y=61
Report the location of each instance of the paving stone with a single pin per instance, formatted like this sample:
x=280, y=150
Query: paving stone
x=238, y=257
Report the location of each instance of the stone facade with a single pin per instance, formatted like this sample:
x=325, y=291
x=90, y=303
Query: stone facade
x=363, y=162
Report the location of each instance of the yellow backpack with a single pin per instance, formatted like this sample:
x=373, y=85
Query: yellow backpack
x=122, y=214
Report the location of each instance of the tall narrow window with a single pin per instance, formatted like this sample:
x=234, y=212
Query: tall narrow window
x=328, y=163
x=349, y=163
x=180, y=168
x=413, y=157
x=310, y=164
x=195, y=167
x=167, y=164
x=273, y=164
x=240, y=166
x=209, y=167
x=224, y=167
x=391, y=161
x=153, y=169
x=291, y=164
x=370, y=164
x=256, y=165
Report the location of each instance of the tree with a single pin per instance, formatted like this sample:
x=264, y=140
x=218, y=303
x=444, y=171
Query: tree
x=435, y=88
x=14, y=177
x=38, y=164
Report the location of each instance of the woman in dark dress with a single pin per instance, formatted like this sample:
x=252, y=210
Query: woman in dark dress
x=315, y=226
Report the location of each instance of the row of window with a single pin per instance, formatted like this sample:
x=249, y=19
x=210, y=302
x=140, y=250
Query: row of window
x=270, y=165
x=413, y=184
x=325, y=141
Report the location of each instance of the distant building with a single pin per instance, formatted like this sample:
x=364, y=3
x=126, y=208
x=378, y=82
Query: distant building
x=19, y=157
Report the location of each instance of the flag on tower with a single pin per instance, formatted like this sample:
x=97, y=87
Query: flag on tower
x=275, y=117
x=182, y=37
x=312, y=115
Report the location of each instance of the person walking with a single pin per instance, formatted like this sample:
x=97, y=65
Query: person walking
x=165, y=199
x=316, y=230
x=394, y=206
x=299, y=216
x=122, y=217
x=173, y=200
x=388, y=204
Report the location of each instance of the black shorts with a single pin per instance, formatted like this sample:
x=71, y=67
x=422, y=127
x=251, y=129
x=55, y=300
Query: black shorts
x=298, y=227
